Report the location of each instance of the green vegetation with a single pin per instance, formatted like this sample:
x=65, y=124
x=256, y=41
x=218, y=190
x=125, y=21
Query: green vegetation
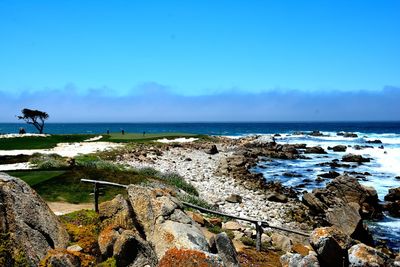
x=178, y=181
x=33, y=177
x=195, y=201
x=10, y=255
x=110, y=262
x=14, y=159
x=83, y=227
x=48, y=161
x=37, y=142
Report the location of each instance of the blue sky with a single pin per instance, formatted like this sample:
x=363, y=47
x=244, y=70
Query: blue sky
x=188, y=51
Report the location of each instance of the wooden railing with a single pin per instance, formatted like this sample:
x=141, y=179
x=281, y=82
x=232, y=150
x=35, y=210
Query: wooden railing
x=258, y=223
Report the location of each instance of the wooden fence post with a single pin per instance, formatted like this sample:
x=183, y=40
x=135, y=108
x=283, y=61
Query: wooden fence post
x=96, y=197
x=259, y=232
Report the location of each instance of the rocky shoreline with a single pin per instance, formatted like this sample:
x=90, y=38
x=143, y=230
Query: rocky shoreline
x=151, y=227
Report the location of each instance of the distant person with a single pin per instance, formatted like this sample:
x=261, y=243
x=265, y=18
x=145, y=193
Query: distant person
x=144, y=133
x=123, y=131
x=108, y=131
x=22, y=130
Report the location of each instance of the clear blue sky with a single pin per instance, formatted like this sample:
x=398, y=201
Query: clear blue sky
x=197, y=48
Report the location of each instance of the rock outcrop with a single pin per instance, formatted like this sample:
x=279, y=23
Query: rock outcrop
x=355, y=158
x=392, y=204
x=25, y=218
x=344, y=203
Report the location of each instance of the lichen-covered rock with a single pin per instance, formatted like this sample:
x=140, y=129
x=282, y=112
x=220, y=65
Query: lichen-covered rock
x=281, y=242
x=344, y=203
x=189, y=258
x=126, y=246
x=116, y=212
x=25, y=217
x=331, y=246
x=65, y=258
x=297, y=260
x=131, y=250
x=164, y=224
x=361, y=255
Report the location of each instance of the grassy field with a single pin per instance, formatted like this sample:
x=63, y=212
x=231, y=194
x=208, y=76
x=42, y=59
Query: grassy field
x=36, y=177
x=35, y=142
x=32, y=142
x=65, y=185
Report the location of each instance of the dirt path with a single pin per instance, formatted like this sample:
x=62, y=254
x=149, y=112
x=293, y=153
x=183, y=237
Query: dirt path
x=60, y=208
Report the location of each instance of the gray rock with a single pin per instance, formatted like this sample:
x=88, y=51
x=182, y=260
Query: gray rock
x=330, y=246
x=61, y=259
x=75, y=248
x=277, y=197
x=149, y=205
x=281, y=242
x=234, y=198
x=226, y=250
x=131, y=250
x=339, y=148
x=315, y=150
x=355, y=158
x=33, y=227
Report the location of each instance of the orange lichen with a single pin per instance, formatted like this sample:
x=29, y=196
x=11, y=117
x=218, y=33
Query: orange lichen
x=249, y=257
x=85, y=260
x=301, y=249
x=187, y=258
x=168, y=237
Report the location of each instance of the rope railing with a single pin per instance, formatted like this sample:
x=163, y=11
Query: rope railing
x=258, y=223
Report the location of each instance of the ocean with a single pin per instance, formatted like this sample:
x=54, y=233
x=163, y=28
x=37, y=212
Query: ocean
x=383, y=168
x=212, y=128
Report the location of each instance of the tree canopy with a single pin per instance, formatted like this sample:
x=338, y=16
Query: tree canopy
x=34, y=117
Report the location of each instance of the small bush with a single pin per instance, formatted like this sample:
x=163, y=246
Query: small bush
x=195, y=201
x=147, y=171
x=51, y=161
x=215, y=229
x=248, y=241
x=178, y=181
x=110, y=262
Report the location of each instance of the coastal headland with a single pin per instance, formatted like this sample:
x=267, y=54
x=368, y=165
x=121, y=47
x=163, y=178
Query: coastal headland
x=147, y=224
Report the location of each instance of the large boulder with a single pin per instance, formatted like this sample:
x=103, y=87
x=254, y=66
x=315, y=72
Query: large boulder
x=331, y=246
x=163, y=222
x=296, y=260
x=31, y=227
x=116, y=212
x=315, y=150
x=344, y=203
x=361, y=255
x=392, y=204
x=393, y=194
x=226, y=250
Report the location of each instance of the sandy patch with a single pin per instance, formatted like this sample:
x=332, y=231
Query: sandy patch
x=65, y=149
x=22, y=135
x=177, y=140
x=60, y=208
x=93, y=138
x=15, y=166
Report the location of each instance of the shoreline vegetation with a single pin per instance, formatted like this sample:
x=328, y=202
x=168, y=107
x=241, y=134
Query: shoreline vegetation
x=212, y=172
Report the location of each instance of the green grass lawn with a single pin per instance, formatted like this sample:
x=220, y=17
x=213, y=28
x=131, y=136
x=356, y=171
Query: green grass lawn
x=65, y=185
x=35, y=177
x=35, y=142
